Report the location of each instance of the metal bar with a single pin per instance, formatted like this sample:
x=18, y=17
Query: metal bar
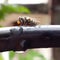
x=22, y=38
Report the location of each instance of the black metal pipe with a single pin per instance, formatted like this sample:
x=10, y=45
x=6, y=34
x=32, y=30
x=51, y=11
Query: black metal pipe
x=22, y=38
x=29, y=31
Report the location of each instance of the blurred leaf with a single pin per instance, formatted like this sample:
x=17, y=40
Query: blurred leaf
x=21, y=57
x=30, y=55
x=11, y=55
x=1, y=58
x=1, y=26
x=15, y=9
x=7, y=9
x=1, y=14
x=33, y=53
x=22, y=9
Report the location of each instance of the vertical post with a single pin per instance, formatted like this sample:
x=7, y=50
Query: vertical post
x=56, y=53
x=55, y=12
x=49, y=9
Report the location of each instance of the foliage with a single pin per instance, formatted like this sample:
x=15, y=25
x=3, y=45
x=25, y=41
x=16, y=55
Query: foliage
x=2, y=14
x=1, y=58
x=1, y=26
x=30, y=55
x=8, y=9
x=22, y=9
x=15, y=9
x=11, y=55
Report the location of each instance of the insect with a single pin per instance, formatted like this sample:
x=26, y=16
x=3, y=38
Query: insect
x=25, y=21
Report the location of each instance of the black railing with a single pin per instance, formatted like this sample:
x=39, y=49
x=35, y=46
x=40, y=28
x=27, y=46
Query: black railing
x=25, y=37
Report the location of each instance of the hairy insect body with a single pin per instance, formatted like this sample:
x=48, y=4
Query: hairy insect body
x=26, y=21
